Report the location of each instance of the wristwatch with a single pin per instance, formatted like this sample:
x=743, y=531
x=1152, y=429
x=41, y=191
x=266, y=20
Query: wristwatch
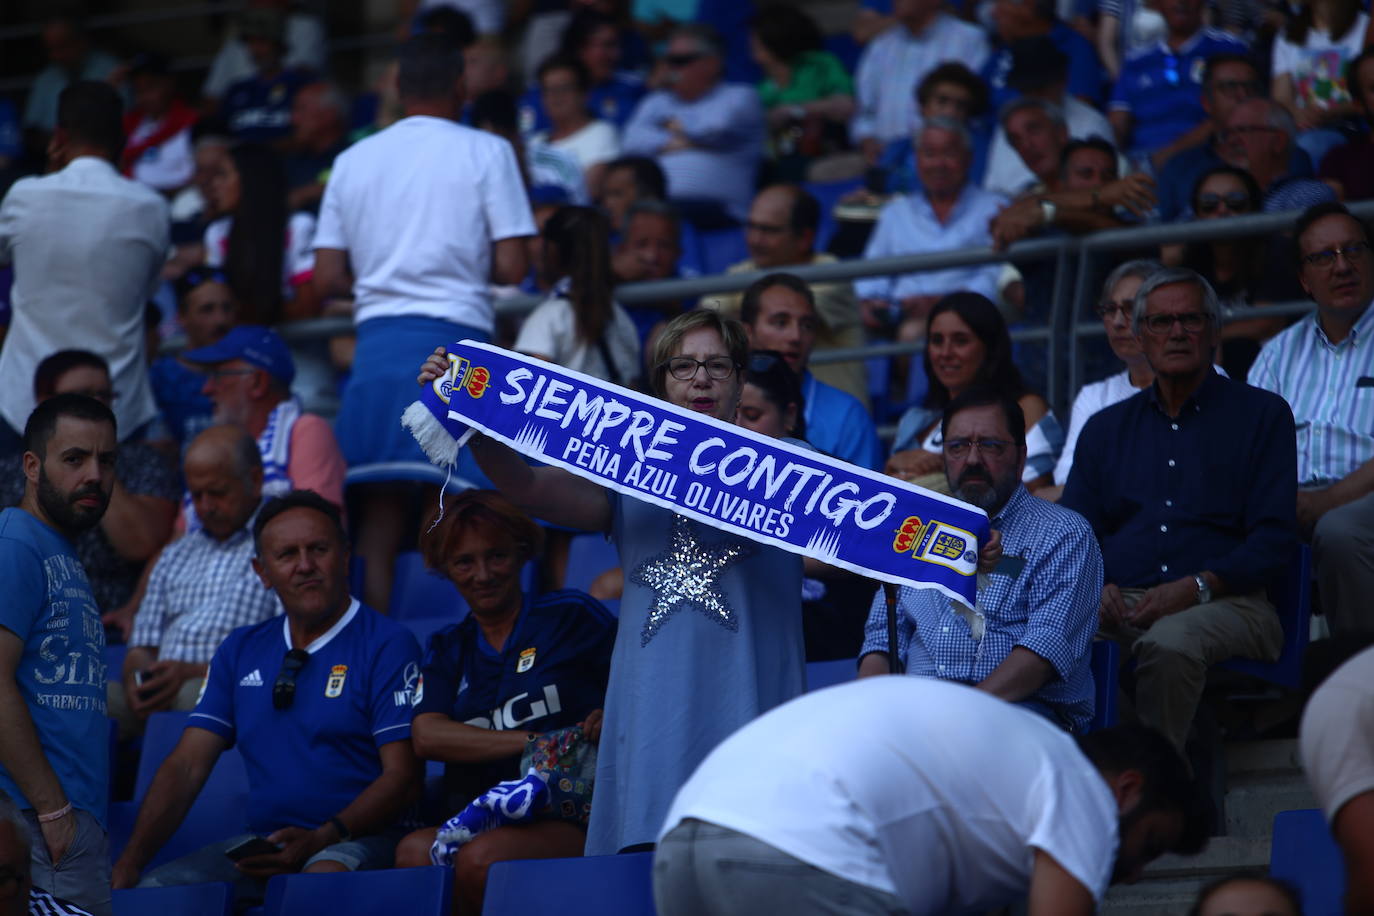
x=344, y=833
x=1047, y=211
x=1204, y=591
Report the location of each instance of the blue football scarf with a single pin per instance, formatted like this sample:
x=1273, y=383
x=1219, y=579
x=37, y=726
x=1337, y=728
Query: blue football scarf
x=767, y=490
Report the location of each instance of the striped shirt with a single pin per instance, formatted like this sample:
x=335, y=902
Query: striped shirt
x=201, y=590
x=1043, y=596
x=1330, y=388
x=41, y=903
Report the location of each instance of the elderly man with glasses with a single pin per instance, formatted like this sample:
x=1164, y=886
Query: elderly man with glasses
x=1323, y=367
x=1189, y=486
x=1028, y=639
x=319, y=704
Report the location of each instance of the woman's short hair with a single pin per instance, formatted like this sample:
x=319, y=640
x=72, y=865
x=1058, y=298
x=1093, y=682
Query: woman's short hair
x=670, y=340
x=1137, y=267
x=484, y=509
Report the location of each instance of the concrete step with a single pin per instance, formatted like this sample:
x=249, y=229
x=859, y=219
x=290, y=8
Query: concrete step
x=1158, y=897
x=1171, y=883
x=1250, y=808
x=1258, y=759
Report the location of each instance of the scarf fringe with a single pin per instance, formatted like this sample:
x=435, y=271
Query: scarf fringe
x=438, y=445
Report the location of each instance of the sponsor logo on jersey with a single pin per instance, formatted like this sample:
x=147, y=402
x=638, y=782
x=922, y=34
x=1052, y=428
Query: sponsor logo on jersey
x=251, y=679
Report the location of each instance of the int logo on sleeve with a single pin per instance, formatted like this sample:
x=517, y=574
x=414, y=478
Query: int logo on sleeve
x=526, y=661
x=335, y=685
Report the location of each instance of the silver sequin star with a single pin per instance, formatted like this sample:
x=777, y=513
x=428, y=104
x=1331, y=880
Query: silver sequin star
x=686, y=574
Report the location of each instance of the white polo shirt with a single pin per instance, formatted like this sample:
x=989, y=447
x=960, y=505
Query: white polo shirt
x=417, y=207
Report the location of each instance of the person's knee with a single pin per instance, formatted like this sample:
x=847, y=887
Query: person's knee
x=1169, y=647
x=325, y=866
x=413, y=850
x=1342, y=534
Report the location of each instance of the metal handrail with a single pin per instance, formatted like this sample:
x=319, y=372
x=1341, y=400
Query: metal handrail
x=1062, y=331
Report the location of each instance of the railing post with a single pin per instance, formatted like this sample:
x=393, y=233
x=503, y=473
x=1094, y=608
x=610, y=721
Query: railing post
x=1081, y=296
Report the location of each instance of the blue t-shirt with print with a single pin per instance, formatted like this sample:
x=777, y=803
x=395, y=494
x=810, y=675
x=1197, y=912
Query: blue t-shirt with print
x=259, y=110
x=1162, y=88
x=61, y=673
x=308, y=762
x=550, y=673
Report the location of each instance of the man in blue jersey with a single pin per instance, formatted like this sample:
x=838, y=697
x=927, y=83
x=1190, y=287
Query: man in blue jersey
x=1156, y=107
x=54, y=758
x=319, y=702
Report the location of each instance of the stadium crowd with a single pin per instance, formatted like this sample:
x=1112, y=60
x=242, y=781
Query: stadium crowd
x=234, y=502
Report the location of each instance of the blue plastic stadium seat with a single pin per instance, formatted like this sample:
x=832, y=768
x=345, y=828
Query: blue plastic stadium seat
x=721, y=248
x=598, y=885
x=417, y=592
x=1293, y=601
x=1105, y=668
x=201, y=899
x=218, y=811
x=589, y=555
x=828, y=194
x=114, y=661
x=424, y=891
x=828, y=674
x=1304, y=853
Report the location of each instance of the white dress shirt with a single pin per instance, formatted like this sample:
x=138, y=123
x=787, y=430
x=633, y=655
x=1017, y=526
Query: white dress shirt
x=87, y=245
x=908, y=225
x=893, y=66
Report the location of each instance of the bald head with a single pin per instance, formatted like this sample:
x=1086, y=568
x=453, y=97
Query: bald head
x=223, y=471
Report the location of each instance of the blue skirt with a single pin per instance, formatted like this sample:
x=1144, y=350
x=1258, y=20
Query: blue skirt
x=382, y=386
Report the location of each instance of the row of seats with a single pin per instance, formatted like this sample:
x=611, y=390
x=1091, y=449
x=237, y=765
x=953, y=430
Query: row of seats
x=1303, y=852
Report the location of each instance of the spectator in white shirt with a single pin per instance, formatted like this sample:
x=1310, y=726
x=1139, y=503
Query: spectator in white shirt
x=947, y=214
x=563, y=85
x=417, y=221
x=87, y=245
x=892, y=66
x=707, y=135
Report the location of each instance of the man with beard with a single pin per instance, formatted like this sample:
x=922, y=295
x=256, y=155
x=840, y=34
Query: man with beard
x=54, y=758
x=908, y=795
x=1191, y=487
x=248, y=375
x=1028, y=639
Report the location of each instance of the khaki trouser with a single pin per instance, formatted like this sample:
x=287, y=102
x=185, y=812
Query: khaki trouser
x=1173, y=655
x=1343, y=560
x=130, y=724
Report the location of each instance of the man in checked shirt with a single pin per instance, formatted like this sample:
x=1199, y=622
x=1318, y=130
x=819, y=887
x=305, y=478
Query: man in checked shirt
x=202, y=586
x=1029, y=638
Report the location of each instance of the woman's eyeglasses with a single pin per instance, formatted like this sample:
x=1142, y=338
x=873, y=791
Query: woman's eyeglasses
x=1109, y=309
x=1236, y=202
x=762, y=361
x=684, y=368
x=284, y=689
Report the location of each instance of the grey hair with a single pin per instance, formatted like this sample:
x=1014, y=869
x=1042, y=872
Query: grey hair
x=332, y=98
x=949, y=124
x=10, y=813
x=653, y=207
x=707, y=38
x=1280, y=117
x=1167, y=276
x=1139, y=267
x=1051, y=110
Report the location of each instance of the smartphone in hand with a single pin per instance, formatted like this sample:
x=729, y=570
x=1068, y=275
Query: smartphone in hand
x=253, y=846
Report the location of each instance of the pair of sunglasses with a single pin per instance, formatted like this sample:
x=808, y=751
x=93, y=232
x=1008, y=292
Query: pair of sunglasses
x=1236, y=202
x=284, y=689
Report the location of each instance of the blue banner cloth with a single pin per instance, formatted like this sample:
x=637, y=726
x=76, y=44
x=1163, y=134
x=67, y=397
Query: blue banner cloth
x=768, y=490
